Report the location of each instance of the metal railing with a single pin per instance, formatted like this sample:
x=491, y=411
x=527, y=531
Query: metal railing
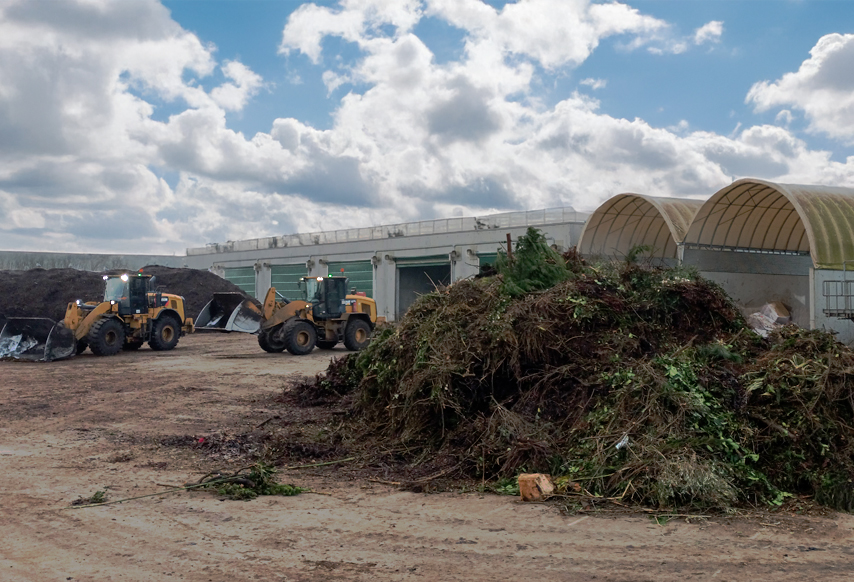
x=425, y=227
x=839, y=295
x=839, y=298
x=752, y=250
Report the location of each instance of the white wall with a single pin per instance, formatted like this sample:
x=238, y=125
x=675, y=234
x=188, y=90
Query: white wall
x=750, y=292
x=753, y=279
x=843, y=327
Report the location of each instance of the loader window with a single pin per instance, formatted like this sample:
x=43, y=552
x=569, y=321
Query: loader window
x=336, y=291
x=137, y=301
x=115, y=289
x=312, y=290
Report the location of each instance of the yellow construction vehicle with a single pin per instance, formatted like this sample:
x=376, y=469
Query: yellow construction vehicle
x=325, y=316
x=131, y=313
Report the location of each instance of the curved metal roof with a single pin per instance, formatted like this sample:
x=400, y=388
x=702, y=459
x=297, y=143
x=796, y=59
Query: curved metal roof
x=759, y=215
x=627, y=220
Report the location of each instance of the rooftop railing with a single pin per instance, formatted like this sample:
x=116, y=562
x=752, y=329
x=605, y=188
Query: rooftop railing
x=424, y=227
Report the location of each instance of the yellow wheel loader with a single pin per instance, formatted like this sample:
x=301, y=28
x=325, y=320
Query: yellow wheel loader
x=131, y=313
x=325, y=316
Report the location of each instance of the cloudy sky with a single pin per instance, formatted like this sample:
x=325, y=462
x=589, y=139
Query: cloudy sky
x=145, y=126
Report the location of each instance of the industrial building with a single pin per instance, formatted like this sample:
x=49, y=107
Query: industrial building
x=392, y=263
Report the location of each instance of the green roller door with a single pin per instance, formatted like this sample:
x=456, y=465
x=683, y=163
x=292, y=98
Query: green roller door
x=429, y=261
x=361, y=275
x=243, y=277
x=487, y=258
x=285, y=278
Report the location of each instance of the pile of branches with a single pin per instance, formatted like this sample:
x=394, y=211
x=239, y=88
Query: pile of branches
x=632, y=381
x=247, y=483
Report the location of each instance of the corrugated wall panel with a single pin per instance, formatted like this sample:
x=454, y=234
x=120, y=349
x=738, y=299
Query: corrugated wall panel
x=243, y=277
x=428, y=261
x=361, y=274
x=285, y=278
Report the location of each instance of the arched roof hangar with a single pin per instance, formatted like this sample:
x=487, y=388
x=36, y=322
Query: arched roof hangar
x=752, y=215
x=629, y=220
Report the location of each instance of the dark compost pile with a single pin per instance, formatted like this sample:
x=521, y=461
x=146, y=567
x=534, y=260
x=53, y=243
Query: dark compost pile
x=47, y=292
x=630, y=382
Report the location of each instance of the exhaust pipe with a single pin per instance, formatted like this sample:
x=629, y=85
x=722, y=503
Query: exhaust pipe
x=36, y=338
x=230, y=312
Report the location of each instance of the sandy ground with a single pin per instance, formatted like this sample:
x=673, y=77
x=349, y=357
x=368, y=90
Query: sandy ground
x=69, y=429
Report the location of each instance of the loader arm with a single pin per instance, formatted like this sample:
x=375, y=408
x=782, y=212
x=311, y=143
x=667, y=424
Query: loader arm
x=269, y=303
x=286, y=312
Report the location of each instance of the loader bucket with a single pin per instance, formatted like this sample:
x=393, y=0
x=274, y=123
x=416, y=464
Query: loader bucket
x=36, y=338
x=230, y=312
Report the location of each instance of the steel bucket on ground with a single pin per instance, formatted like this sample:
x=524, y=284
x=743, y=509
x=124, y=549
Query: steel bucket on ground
x=230, y=312
x=36, y=338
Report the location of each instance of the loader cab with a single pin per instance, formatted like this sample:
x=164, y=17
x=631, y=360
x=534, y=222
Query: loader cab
x=327, y=296
x=130, y=293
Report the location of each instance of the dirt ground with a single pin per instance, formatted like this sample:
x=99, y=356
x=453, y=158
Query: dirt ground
x=71, y=428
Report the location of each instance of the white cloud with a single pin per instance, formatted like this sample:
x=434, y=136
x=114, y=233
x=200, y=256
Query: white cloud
x=709, y=32
x=26, y=218
x=680, y=128
x=669, y=47
x=823, y=88
x=785, y=117
x=234, y=96
x=594, y=83
x=355, y=21
x=552, y=32
x=665, y=41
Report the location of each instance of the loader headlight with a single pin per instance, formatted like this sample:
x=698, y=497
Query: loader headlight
x=112, y=302
x=320, y=278
x=78, y=302
x=105, y=277
x=125, y=277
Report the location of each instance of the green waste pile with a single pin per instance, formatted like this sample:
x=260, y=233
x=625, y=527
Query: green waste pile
x=633, y=382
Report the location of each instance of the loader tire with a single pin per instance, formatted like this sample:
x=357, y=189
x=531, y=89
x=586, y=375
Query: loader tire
x=357, y=334
x=270, y=342
x=106, y=337
x=327, y=344
x=300, y=337
x=165, y=334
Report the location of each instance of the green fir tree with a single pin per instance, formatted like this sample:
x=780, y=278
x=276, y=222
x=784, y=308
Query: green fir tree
x=534, y=265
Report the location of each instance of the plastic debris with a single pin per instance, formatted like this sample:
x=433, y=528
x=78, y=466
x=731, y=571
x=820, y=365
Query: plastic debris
x=14, y=346
x=761, y=324
x=776, y=312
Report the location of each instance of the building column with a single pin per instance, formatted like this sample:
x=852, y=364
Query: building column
x=464, y=263
x=385, y=285
x=263, y=278
x=316, y=266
